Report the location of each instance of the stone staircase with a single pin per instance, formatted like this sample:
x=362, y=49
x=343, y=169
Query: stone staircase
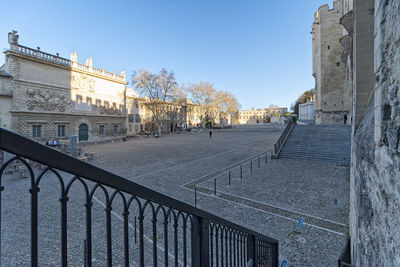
x=324, y=143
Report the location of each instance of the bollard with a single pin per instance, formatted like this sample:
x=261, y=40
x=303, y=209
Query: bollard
x=195, y=196
x=241, y=171
x=215, y=186
x=258, y=161
x=229, y=180
x=251, y=166
x=73, y=146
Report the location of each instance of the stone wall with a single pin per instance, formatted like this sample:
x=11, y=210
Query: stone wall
x=5, y=100
x=22, y=123
x=329, y=66
x=307, y=111
x=375, y=169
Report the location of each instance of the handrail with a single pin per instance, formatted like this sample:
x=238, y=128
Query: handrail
x=26, y=148
x=282, y=139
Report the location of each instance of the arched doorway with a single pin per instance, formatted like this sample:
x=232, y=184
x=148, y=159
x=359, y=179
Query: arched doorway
x=83, y=132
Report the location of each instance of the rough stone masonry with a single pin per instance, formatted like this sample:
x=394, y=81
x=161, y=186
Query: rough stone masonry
x=375, y=170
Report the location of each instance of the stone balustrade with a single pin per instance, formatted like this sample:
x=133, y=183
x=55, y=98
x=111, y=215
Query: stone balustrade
x=63, y=61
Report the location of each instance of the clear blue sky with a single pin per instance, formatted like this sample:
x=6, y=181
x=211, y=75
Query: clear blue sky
x=259, y=50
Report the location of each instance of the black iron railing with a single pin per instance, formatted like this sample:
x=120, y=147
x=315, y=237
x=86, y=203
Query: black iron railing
x=282, y=139
x=345, y=256
x=77, y=214
x=226, y=176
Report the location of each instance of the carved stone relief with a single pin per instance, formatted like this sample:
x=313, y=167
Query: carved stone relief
x=13, y=37
x=110, y=111
x=46, y=100
x=82, y=82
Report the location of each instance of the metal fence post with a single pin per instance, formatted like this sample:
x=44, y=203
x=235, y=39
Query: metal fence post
x=251, y=166
x=215, y=186
x=195, y=196
x=275, y=262
x=241, y=171
x=258, y=161
x=251, y=249
x=200, y=243
x=229, y=180
x=134, y=232
x=266, y=157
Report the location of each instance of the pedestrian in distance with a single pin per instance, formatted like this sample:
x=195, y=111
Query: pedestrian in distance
x=210, y=134
x=345, y=118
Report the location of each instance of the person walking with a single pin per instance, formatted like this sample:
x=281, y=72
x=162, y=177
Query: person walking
x=210, y=134
x=345, y=118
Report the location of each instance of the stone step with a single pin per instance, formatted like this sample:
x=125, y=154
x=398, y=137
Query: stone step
x=328, y=143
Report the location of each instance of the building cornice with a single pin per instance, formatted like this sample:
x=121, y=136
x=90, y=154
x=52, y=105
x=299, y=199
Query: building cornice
x=28, y=83
x=66, y=114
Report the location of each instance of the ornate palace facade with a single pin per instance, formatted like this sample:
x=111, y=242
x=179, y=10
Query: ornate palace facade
x=50, y=97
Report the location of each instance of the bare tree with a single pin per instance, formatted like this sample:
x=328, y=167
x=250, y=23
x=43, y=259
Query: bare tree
x=204, y=94
x=214, y=102
x=227, y=103
x=159, y=90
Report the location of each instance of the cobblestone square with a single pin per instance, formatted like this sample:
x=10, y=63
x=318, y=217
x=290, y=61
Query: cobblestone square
x=270, y=200
x=317, y=191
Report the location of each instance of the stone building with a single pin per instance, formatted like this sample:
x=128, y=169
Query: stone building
x=193, y=115
x=178, y=115
x=135, y=113
x=6, y=83
x=373, y=33
x=254, y=116
x=307, y=111
x=51, y=97
x=330, y=66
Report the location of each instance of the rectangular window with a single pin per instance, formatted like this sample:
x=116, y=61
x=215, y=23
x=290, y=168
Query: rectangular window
x=101, y=129
x=36, y=131
x=61, y=131
x=115, y=129
x=130, y=117
x=106, y=104
x=98, y=102
x=130, y=128
x=89, y=101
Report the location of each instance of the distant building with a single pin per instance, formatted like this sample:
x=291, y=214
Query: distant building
x=135, y=112
x=254, y=116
